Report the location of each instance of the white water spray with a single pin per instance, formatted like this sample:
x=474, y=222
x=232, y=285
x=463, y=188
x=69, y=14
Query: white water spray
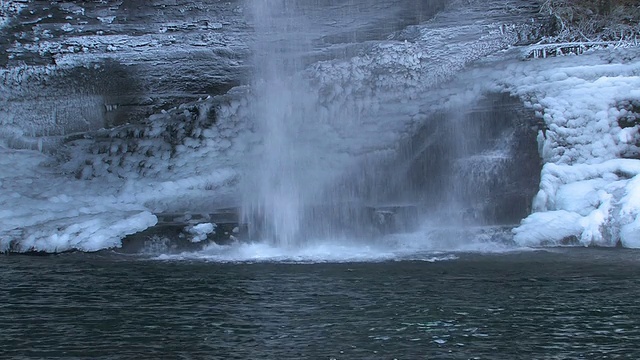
x=331, y=169
x=279, y=180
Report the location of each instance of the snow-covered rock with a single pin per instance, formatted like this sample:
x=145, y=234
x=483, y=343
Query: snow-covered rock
x=43, y=210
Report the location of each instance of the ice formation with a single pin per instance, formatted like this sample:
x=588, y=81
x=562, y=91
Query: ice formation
x=44, y=211
x=8, y=9
x=112, y=182
x=588, y=192
x=106, y=184
x=200, y=231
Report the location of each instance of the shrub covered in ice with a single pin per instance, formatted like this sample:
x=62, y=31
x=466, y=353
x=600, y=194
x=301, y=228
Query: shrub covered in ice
x=589, y=20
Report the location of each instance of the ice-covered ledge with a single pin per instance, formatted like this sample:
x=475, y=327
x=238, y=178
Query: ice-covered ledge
x=588, y=204
x=590, y=188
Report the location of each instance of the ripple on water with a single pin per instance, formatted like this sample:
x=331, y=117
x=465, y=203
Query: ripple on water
x=478, y=306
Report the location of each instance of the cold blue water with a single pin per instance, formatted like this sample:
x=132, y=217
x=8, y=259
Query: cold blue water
x=546, y=304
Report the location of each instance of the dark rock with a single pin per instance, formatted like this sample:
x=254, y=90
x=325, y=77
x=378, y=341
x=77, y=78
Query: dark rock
x=486, y=158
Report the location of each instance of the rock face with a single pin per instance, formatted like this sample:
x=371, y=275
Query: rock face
x=478, y=165
x=147, y=106
x=103, y=64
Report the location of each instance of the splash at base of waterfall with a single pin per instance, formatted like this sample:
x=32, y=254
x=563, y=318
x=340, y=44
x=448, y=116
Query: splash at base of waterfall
x=429, y=244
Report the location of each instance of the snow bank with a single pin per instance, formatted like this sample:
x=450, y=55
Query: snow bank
x=589, y=204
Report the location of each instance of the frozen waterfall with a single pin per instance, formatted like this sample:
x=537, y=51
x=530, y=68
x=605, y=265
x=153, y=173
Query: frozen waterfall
x=374, y=125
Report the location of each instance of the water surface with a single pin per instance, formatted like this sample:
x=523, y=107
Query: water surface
x=562, y=304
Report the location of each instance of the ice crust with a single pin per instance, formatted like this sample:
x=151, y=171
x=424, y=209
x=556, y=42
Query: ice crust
x=107, y=184
x=199, y=232
x=44, y=211
x=589, y=191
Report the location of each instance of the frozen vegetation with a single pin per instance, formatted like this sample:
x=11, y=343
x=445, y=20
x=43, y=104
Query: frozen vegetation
x=61, y=190
x=593, y=20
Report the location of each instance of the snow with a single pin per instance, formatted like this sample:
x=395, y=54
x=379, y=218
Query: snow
x=111, y=183
x=44, y=211
x=543, y=227
x=631, y=234
x=47, y=210
x=8, y=9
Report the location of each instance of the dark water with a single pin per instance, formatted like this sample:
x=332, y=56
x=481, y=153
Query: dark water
x=557, y=304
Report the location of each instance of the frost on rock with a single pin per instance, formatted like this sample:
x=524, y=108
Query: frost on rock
x=590, y=147
x=10, y=8
x=403, y=69
x=364, y=104
x=179, y=160
x=104, y=185
x=43, y=210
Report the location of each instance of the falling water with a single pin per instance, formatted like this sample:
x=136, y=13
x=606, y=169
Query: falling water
x=313, y=175
x=277, y=182
x=295, y=188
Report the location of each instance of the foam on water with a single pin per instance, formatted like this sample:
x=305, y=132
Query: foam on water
x=419, y=246
x=321, y=252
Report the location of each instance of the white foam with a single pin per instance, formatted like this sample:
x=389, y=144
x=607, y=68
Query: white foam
x=322, y=252
x=424, y=245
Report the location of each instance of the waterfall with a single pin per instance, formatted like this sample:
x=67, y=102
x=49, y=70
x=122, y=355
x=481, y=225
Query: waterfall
x=336, y=157
x=299, y=186
x=276, y=184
